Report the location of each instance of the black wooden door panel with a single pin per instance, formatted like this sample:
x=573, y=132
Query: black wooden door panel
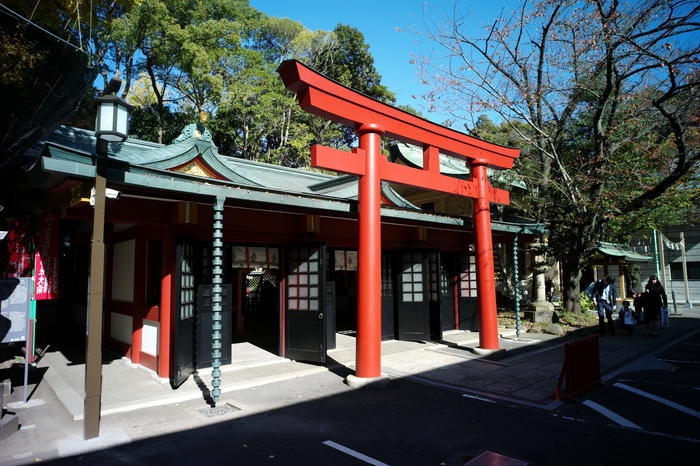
x=306, y=337
x=468, y=298
x=433, y=258
x=205, y=322
x=184, y=342
x=412, y=297
x=447, y=291
x=329, y=316
x=388, y=331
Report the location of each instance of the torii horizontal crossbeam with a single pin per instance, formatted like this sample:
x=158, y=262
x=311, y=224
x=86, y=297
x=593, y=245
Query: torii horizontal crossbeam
x=326, y=98
x=427, y=178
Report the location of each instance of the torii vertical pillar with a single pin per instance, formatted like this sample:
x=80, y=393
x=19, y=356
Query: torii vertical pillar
x=486, y=284
x=368, y=349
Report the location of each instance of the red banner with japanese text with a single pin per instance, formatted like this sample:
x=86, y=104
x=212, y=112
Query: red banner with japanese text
x=18, y=248
x=46, y=259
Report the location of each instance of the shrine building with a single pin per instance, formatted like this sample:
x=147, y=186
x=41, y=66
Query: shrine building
x=283, y=242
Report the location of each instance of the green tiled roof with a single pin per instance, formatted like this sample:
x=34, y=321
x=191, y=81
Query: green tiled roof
x=78, y=144
x=70, y=151
x=621, y=251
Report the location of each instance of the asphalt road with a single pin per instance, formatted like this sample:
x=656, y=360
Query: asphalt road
x=660, y=400
x=315, y=421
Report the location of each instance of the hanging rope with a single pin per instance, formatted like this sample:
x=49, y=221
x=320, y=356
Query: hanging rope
x=28, y=21
x=671, y=245
x=79, y=26
x=34, y=10
x=90, y=38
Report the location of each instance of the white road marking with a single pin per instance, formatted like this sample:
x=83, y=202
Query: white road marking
x=678, y=361
x=658, y=399
x=28, y=427
x=477, y=398
x=569, y=418
x=611, y=415
x=552, y=405
x=354, y=453
x=668, y=384
x=651, y=354
x=677, y=437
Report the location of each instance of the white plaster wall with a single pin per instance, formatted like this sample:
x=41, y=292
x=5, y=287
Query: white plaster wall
x=121, y=328
x=149, y=337
x=123, y=260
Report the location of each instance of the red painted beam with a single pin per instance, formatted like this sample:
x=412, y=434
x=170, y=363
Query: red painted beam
x=431, y=159
x=430, y=178
x=338, y=160
x=326, y=98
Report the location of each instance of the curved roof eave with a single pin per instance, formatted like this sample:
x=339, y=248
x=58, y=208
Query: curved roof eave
x=621, y=251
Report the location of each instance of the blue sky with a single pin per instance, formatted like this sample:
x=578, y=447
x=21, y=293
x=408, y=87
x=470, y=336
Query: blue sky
x=378, y=20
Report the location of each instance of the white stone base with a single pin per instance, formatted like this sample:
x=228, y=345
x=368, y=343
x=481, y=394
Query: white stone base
x=485, y=352
x=374, y=382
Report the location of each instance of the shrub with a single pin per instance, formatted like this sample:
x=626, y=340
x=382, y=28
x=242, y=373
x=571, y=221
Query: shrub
x=586, y=302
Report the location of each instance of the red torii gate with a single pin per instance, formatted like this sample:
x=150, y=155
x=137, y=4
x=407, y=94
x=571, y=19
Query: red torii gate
x=324, y=97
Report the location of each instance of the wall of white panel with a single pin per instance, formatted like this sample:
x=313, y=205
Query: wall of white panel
x=121, y=328
x=149, y=337
x=123, y=260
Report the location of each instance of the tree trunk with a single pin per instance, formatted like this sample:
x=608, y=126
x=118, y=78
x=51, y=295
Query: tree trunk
x=572, y=285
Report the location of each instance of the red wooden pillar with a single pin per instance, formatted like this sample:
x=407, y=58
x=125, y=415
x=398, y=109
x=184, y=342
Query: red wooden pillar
x=369, y=285
x=166, y=304
x=486, y=284
x=137, y=313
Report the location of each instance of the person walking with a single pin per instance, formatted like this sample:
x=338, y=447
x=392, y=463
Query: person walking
x=605, y=298
x=638, y=304
x=654, y=300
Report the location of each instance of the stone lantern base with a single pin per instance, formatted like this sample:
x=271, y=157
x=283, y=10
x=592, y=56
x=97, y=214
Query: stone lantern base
x=540, y=311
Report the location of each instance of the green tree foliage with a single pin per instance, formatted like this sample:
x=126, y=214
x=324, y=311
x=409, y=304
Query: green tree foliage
x=185, y=57
x=150, y=123
x=603, y=97
x=183, y=47
x=48, y=60
x=353, y=64
x=257, y=118
x=179, y=58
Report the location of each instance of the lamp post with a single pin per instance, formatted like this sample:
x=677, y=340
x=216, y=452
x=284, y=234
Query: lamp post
x=111, y=126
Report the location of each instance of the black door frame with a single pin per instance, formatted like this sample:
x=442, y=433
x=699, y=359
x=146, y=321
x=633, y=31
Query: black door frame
x=468, y=319
x=388, y=295
x=448, y=288
x=184, y=343
x=306, y=333
x=412, y=317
